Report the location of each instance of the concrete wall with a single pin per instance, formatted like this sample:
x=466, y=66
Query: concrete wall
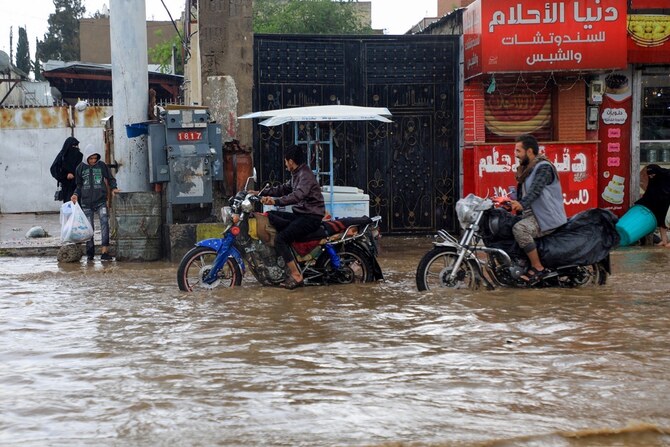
x=94, y=38
x=226, y=51
x=30, y=138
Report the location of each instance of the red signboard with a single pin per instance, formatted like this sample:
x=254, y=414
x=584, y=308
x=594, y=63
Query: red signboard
x=472, y=39
x=495, y=166
x=189, y=135
x=649, y=39
x=615, y=133
x=513, y=36
x=648, y=4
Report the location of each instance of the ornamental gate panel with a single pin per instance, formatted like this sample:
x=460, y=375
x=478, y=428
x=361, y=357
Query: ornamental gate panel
x=409, y=168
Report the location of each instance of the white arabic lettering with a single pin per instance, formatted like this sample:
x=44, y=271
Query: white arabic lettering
x=583, y=198
x=496, y=163
x=498, y=19
x=539, y=39
x=614, y=14
x=553, y=12
x=559, y=56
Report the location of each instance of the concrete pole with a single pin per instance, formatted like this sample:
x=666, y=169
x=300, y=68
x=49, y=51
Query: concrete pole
x=130, y=91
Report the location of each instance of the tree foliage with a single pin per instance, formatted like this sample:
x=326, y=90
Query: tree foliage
x=162, y=54
x=307, y=17
x=37, y=65
x=23, y=51
x=61, y=42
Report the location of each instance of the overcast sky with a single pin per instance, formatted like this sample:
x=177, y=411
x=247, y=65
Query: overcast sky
x=394, y=16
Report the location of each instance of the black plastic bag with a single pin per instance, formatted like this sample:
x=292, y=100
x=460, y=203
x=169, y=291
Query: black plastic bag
x=585, y=239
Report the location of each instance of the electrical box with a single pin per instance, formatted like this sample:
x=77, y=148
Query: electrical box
x=592, y=117
x=596, y=92
x=185, y=153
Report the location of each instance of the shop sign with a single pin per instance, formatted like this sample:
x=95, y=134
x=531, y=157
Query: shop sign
x=648, y=4
x=495, y=167
x=648, y=38
x=512, y=36
x=614, y=134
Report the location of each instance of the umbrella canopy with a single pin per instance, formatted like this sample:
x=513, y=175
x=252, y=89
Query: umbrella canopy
x=321, y=113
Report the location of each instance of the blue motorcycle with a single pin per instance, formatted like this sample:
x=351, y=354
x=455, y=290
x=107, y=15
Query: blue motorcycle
x=342, y=251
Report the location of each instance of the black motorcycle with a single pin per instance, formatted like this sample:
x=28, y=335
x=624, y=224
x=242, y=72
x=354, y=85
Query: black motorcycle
x=487, y=254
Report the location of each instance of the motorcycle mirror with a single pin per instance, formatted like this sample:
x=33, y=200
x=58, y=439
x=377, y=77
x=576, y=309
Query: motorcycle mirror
x=253, y=177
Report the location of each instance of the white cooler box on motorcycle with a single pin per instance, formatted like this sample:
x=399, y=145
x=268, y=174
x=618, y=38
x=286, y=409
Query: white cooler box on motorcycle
x=348, y=201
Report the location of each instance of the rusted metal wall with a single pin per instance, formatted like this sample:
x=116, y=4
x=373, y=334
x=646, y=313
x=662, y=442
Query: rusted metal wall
x=30, y=138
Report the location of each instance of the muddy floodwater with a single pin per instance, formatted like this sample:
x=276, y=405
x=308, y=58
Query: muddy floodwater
x=115, y=355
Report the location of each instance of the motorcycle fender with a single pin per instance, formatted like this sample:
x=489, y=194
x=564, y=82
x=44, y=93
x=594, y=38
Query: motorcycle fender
x=220, y=244
x=447, y=244
x=607, y=265
x=376, y=268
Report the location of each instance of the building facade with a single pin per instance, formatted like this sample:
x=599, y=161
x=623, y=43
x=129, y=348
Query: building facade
x=589, y=79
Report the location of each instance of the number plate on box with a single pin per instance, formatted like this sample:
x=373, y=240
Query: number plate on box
x=189, y=136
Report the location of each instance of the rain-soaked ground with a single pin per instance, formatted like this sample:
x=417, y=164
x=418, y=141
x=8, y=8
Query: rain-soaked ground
x=115, y=355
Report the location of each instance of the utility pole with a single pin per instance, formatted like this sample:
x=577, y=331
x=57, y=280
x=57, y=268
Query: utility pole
x=130, y=91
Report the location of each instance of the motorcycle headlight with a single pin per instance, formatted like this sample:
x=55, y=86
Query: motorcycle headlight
x=227, y=215
x=247, y=206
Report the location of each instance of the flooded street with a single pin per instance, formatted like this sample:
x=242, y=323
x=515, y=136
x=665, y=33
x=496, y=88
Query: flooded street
x=94, y=354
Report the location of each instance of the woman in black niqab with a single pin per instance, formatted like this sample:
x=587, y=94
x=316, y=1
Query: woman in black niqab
x=71, y=159
x=656, y=197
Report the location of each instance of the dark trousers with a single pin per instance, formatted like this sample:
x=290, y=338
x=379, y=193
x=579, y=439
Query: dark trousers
x=101, y=209
x=290, y=227
x=68, y=188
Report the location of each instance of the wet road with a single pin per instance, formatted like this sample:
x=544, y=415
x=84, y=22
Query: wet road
x=94, y=354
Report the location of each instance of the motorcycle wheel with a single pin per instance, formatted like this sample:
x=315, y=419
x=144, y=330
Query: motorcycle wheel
x=436, y=266
x=356, y=266
x=197, y=263
x=588, y=275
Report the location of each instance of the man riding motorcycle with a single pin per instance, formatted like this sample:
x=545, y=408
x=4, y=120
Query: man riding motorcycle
x=303, y=193
x=540, y=200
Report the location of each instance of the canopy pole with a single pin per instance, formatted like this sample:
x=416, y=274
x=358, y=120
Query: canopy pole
x=332, y=170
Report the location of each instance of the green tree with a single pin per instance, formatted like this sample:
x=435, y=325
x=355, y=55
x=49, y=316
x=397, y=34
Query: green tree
x=61, y=42
x=307, y=17
x=37, y=65
x=23, y=51
x=162, y=54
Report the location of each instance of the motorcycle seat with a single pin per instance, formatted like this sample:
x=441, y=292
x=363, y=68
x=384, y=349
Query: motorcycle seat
x=336, y=227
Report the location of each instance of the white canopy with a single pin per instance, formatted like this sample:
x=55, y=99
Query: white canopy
x=321, y=113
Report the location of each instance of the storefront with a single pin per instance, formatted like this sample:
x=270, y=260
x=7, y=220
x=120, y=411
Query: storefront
x=554, y=70
x=649, y=54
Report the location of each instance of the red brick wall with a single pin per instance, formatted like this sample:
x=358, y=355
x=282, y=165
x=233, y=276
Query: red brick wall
x=570, y=108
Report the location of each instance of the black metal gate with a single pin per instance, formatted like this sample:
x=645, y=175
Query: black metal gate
x=410, y=167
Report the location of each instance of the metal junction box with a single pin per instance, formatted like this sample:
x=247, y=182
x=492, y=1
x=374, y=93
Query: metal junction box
x=185, y=151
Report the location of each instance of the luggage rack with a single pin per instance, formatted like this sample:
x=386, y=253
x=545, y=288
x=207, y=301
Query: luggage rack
x=344, y=238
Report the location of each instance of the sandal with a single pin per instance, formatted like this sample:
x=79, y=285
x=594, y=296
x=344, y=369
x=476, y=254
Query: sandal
x=290, y=283
x=534, y=276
